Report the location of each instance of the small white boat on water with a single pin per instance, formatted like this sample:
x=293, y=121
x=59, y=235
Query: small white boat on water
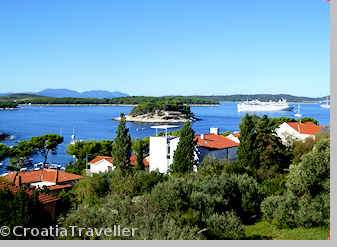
x=260, y=106
x=326, y=105
x=298, y=114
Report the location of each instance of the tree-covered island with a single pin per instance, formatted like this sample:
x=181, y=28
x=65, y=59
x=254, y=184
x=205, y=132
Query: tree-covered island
x=161, y=112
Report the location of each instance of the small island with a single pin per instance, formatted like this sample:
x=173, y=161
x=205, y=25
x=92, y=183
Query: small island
x=160, y=112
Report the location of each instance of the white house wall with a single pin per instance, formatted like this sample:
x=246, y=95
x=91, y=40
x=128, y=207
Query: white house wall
x=100, y=166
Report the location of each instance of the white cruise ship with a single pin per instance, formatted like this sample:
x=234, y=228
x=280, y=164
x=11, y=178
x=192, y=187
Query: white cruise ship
x=259, y=106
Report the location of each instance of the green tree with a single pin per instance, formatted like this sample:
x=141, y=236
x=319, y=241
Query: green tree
x=139, y=149
x=247, y=154
x=261, y=151
x=20, y=155
x=184, y=156
x=121, y=148
x=4, y=151
x=45, y=144
x=307, y=198
x=86, y=149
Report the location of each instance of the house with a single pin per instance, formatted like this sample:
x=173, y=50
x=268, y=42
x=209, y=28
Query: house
x=101, y=164
x=53, y=179
x=161, y=152
x=48, y=202
x=290, y=131
x=217, y=146
x=104, y=163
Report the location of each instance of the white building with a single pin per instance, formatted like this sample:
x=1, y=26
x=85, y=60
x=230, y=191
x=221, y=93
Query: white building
x=101, y=164
x=162, y=149
x=288, y=132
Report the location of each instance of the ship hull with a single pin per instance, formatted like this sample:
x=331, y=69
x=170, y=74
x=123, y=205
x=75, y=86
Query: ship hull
x=263, y=108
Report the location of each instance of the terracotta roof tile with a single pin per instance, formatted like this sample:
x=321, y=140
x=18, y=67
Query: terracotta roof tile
x=42, y=197
x=308, y=128
x=59, y=186
x=133, y=160
x=99, y=158
x=49, y=175
x=216, y=141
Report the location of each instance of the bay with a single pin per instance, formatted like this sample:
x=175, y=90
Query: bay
x=95, y=123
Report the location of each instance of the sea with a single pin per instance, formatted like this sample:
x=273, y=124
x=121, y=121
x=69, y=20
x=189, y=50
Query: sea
x=95, y=123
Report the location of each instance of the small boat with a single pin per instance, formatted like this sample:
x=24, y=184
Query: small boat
x=23, y=169
x=298, y=114
x=326, y=105
x=74, y=139
x=0, y=164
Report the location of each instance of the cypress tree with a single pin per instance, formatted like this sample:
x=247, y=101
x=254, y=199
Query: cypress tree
x=140, y=155
x=183, y=159
x=121, y=148
x=247, y=153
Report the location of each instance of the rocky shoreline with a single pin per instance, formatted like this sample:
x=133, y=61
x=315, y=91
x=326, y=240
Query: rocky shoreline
x=154, y=119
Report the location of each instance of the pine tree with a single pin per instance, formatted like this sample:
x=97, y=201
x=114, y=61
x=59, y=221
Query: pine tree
x=184, y=156
x=121, y=148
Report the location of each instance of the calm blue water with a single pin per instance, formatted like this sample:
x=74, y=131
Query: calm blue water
x=94, y=122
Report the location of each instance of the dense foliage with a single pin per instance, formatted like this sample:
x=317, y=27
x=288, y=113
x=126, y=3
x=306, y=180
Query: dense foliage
x=20, y=209
x=307, y=199
x=8, y=105
x=129, y=100
x=20, y=154
x=159, y=107
x=261, y=152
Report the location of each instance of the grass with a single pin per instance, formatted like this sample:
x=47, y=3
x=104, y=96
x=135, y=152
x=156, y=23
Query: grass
x=264, y=230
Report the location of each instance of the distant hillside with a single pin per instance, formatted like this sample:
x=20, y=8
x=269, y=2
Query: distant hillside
x=19, y=97
x=63, y=93
x=262, y=97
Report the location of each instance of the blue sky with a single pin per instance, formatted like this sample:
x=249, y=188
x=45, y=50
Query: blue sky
x=173, y=47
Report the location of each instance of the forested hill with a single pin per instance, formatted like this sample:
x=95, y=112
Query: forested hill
x=261, y=97
x=135, y=100
x=129, y=100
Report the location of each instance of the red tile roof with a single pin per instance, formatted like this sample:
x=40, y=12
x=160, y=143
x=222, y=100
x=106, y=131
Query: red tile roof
x=133, y=160
x=99, y=158
x=49, y=175
x=308, y=128
x=42, y=197
x=216, y=141
x=59, y=186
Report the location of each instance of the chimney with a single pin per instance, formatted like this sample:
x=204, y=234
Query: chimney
x=57, y=176
x=214, y=131
x=18, y=180
x=202, y=136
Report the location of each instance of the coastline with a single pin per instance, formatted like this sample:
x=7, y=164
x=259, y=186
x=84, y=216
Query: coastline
x=104, y=105
x=146, y=119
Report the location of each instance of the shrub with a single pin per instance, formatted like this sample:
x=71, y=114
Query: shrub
x=224, y=226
